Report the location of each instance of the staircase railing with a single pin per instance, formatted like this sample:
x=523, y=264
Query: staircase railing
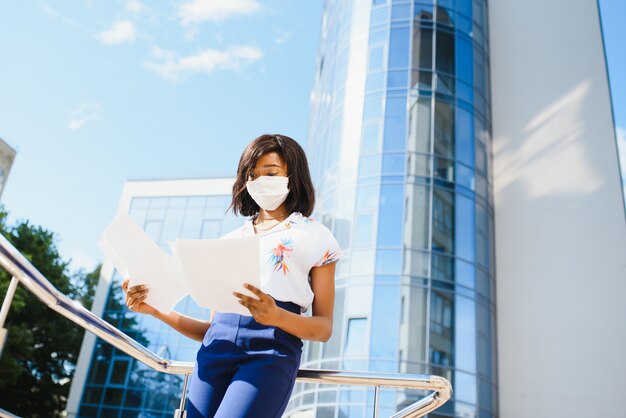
x=24, y=272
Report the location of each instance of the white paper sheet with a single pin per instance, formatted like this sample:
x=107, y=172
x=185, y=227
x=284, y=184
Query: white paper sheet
x=139, y=259
x=214, y=268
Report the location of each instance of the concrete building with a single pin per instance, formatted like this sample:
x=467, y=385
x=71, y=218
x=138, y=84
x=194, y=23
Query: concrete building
x=7, y=156
x=559, y=213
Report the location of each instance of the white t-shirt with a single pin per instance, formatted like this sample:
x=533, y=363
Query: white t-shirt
x=289, y=251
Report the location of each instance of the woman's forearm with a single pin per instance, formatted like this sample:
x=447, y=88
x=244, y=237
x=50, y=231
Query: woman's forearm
x=186, y=325
x=317, y=328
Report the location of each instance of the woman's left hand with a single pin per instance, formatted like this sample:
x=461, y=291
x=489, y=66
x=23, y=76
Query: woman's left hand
x=264, y=309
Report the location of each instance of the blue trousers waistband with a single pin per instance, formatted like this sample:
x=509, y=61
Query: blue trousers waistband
x=289, y=306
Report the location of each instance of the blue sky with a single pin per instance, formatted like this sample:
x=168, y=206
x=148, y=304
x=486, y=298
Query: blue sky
x=613, y=16
x=98, y=92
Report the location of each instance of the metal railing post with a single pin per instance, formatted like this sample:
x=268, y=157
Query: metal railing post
x=4, y=311
x=376, y=390
x=181, y=412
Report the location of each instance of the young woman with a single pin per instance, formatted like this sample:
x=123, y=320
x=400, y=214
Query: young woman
x=247, y=364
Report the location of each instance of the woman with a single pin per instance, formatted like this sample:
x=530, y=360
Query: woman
x=247, y=364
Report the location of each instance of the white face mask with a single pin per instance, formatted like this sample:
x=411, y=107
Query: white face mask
x=268, y=191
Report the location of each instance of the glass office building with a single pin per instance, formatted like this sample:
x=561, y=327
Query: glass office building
x=117, y=385
x=399, y=144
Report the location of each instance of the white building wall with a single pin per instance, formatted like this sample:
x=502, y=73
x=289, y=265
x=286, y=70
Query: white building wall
x=559, y=214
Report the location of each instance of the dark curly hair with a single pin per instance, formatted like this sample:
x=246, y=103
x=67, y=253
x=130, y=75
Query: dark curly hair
x=301, y=197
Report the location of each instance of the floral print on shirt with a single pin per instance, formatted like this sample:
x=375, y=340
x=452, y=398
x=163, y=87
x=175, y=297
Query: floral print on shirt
x=329, y=257
x=277, y=255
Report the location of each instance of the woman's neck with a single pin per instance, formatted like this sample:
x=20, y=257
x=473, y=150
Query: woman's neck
x=266, y=215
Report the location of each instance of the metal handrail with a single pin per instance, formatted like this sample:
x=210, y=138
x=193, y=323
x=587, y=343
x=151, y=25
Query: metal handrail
x=7, y=414
x=21, y=269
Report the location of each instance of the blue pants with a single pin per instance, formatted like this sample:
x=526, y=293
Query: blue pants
x=244, y=368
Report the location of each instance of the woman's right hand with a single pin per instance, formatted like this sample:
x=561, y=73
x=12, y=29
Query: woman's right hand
x=134, y=299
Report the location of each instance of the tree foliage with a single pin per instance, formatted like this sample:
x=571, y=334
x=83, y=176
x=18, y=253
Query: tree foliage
x=42, y=347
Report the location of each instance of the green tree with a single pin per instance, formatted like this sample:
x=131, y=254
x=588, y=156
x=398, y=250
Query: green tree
x=42, y=347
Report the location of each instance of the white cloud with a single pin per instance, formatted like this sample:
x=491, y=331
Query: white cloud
x=196, y=11
x=191, y=32
x=135, y=6
x=139, y=11
x=282, y=37
x=170, y=66
x=84, y=113
x=120, y=32
x=55, y=14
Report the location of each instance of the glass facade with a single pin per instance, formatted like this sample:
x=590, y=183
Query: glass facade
x=409, y=197
x=117, y=385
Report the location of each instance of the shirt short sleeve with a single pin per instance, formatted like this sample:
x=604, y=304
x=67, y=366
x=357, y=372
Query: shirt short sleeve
x=327, y=247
